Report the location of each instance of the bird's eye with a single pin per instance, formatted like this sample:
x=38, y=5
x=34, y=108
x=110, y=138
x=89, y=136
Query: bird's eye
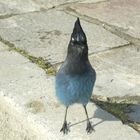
x=72, y=39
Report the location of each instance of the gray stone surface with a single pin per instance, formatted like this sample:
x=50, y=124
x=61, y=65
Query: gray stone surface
x=12, y=126
x=92, y=1
x=122, y=13
x=9, y=7
x=29, y=109
x=117, y=72
x=52, y=3
x=47, y=34
x=134, y=114
x=3, y=47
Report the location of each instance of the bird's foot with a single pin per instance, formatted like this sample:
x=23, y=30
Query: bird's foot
x=65, y=128
x=89, y=128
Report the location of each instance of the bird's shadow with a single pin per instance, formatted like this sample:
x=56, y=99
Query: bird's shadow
x=100, y=114
x=85, y=121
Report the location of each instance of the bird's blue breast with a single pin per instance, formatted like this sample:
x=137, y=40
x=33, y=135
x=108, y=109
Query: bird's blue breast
x=74, y=88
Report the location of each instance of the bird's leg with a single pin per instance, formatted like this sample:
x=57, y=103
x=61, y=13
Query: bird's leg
x=89, y=128
x=65, y=127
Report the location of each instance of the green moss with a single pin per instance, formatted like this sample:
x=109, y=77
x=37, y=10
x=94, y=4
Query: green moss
x=37, y=60
x=44, y=64
x=7, y=16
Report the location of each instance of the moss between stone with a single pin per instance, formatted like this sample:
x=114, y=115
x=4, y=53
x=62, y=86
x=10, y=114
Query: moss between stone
x=118, y=106
x=44, y=64
x=7, y=16
x=126, y=99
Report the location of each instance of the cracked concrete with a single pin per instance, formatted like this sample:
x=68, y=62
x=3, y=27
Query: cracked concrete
x=39, y=31
x=8, y=7
x=43, y=38
x=104, y=13
x=110, y=11
x=115, y=78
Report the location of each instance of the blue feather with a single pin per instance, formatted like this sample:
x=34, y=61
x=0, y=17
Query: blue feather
x=75, y=88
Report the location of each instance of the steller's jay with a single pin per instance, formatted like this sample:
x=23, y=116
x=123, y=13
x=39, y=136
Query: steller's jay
x=75, y=79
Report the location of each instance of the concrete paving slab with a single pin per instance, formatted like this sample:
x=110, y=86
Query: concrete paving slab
x=3, y=47
x=49, y=4
x=124, y=14
x=47, y=34
x=117, y=72
x=8, y=7
x=92, y=1
x=28, y=107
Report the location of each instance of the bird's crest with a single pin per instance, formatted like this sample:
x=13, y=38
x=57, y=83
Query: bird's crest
x=78, y=35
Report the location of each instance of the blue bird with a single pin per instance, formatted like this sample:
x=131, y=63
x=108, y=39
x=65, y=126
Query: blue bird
x=75, y=79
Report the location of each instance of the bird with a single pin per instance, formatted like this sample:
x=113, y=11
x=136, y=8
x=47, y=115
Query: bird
x=76, y=78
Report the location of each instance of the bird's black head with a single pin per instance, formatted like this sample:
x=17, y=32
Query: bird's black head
x=78, y=42
x=78, y=36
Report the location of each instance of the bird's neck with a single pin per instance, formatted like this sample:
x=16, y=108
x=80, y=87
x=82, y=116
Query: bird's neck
x=76, y=65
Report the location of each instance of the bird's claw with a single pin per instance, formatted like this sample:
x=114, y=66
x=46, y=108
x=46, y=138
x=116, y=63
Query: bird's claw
x=65, y=128
x=89, y=128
